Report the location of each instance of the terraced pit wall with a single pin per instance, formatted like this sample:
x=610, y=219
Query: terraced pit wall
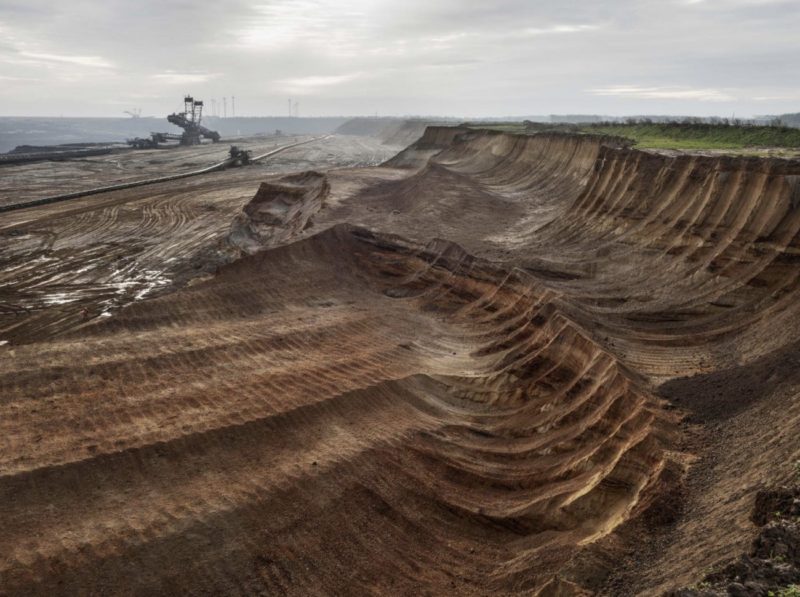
x=449, y=383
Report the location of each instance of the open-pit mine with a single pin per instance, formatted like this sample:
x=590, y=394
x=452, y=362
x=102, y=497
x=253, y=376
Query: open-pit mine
x=479, y=364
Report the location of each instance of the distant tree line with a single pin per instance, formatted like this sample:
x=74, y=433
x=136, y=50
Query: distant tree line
x=694, y=122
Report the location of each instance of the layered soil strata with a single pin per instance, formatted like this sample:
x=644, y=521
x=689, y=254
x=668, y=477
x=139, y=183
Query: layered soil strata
x=501, y=364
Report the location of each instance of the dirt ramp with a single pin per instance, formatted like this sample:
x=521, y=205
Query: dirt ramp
x=486, y=191
x=391, y=131
x=404, y=133
x=434, y=140
x=280, y=211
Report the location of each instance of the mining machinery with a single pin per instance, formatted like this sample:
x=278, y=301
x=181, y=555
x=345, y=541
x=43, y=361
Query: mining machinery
x=189, y=120
x=238, y=156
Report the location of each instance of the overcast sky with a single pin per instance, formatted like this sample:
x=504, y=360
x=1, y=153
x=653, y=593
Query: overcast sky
x=401, y=57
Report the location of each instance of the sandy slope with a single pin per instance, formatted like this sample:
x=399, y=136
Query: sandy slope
x=450, y=379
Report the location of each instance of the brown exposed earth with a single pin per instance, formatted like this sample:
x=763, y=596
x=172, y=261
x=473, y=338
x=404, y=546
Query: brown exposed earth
x=495, y=364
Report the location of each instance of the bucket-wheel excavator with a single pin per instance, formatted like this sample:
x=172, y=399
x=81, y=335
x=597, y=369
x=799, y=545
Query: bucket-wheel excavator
x=189, y=120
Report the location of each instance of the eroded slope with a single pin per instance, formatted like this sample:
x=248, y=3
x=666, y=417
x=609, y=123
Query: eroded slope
x=368, y=410
x=345, y=396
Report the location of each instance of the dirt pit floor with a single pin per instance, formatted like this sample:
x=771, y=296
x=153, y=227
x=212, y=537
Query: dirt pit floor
x=492, y=365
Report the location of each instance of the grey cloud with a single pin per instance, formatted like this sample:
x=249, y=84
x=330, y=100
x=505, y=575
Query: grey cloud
x=420, y=56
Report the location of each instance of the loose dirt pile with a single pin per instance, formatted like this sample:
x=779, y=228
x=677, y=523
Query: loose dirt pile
x=497, y=364
x=773, y=565
x=279, y=212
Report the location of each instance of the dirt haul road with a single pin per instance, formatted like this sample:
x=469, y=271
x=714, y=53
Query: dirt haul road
x=495, y=365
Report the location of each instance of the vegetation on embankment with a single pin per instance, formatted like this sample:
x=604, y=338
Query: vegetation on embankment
x=698, y=135
x=688, y=135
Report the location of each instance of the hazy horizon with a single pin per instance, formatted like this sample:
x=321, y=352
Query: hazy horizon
x=511, y=58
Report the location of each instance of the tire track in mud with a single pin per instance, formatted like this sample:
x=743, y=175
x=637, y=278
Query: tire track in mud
x=67, y=264
x=141, y=183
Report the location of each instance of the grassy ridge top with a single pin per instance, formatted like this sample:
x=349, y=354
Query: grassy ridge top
x=700, y=135
x=672, y=135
